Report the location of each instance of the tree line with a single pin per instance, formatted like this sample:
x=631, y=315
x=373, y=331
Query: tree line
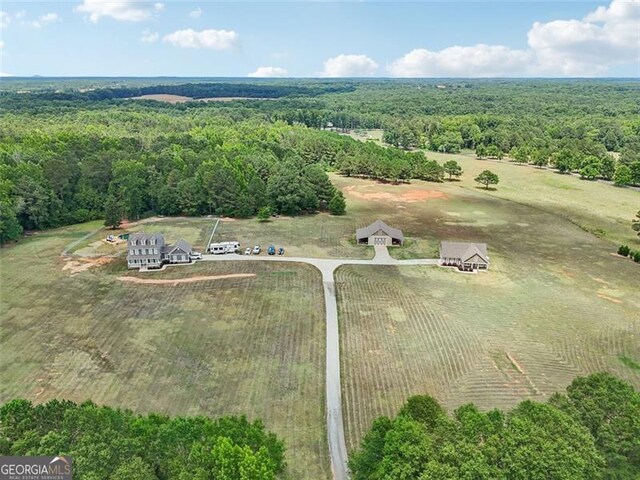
x=56, y=173
x=114, y=444
x=590, y=160
x=590, y=432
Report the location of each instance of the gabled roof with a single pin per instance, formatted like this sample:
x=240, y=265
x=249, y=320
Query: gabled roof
x=376, y=226
x=463, y=250
x=159, y=238
x=180, y=244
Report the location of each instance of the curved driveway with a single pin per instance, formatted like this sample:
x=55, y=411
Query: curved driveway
x=335, y=425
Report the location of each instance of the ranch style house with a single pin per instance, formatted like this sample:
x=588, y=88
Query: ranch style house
x=379, y=233
x=467, y=257
x=151, y=251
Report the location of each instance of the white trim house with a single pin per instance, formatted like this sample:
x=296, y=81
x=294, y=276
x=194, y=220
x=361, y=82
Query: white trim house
x=151, y=251
x=465, y=256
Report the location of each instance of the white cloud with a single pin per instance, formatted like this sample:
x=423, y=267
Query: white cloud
x=605, y=37
x=124, y=10
x=42, y=20
x=195, y=13
x=5, y=19
x=1, y=45
x=475, y=61
x=5, y=74
x=149, y=37
x=269, y=72
x=211, y=39
x=349, y=66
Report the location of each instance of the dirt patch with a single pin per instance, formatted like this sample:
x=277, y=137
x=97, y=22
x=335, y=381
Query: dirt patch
x=611, y=299
x=173, y=99
x=412, y=196
x=77, y=265
x=176, y=281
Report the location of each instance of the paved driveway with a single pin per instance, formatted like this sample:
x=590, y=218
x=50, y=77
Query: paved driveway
x=327, y=266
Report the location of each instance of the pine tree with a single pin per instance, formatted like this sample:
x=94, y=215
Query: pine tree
x=337, y=205
x=112, y=212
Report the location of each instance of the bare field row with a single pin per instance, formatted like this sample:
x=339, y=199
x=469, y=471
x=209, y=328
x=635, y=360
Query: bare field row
x=252, y=346
x=416, y=330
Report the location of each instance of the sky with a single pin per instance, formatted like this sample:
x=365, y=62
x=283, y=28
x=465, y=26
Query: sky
x=320, y=38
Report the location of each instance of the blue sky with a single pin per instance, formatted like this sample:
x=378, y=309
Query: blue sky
x=308, y=39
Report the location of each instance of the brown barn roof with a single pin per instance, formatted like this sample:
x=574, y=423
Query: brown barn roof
x=463, y=250
x=366, y=232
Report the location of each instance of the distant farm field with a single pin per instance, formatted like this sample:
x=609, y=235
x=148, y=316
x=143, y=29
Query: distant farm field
x=168, y=98
x=252, y=345
x=555, y=304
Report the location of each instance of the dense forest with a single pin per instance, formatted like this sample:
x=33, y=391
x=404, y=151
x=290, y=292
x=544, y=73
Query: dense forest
x=70, y=148
x=107, y=443
x=591, y=432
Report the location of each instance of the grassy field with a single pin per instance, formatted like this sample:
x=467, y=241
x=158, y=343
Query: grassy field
x=555, y=304
x=319, y=236
x=599, y=208
x=251, y=346
x=364, y=135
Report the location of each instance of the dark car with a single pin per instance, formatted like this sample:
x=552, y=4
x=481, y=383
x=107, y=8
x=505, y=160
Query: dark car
x=271, y=250
x=281, y=251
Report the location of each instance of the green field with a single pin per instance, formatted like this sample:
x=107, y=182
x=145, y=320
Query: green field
x=251, y=346
x=555, y=304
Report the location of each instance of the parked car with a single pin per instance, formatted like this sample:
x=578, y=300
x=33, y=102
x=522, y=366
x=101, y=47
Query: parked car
x=271, y=250
x=281, y=251
x=247, y=251
x=195, y=256
x=256, y=250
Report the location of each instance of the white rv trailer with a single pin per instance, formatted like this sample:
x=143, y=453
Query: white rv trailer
x=224, y=247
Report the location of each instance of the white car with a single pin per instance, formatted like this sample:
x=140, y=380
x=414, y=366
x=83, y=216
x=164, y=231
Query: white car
x=195, y=256
x=256, y=250
x=247, y=251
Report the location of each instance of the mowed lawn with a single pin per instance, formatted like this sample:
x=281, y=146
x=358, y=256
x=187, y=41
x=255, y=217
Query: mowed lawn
x=251, y=345
x=555, y=304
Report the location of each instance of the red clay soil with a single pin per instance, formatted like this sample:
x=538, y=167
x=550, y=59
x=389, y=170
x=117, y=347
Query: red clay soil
x=176, y=281
x=411, y=196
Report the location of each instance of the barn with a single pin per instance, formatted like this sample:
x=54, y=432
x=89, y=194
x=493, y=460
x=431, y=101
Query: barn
x=379, y=233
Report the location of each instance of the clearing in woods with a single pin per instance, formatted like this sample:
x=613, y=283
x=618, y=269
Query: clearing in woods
x=555, y=303
x=168, y=98
x=253, y=345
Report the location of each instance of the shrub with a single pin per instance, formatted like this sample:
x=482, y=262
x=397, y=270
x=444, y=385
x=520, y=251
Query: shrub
x=624, y=250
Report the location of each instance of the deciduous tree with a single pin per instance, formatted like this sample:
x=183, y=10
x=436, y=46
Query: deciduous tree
x=487, y=178
x=452, y=168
